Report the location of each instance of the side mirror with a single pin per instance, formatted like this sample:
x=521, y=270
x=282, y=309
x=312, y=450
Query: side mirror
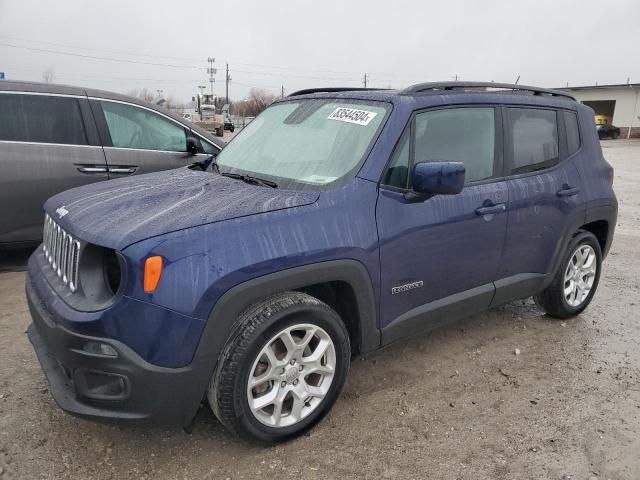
x=192, y=145
x=438, y=178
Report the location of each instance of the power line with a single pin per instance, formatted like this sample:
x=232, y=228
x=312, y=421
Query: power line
x=294, y=68
x=102, y=77
x=119, y=52
x=93, y=57
x=289, y=75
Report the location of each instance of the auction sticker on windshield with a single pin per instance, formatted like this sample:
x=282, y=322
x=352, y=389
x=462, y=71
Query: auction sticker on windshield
x=352, y=115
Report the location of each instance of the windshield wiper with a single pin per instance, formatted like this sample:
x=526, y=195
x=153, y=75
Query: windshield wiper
x=250, y=179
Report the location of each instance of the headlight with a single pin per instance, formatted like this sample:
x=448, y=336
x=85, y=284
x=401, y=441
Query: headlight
x=101, y=273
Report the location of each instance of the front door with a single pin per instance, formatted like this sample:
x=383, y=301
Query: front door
x=439, y=256
x=139, y=140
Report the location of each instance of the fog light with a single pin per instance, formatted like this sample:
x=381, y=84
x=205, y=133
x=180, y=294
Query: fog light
x=102, y=349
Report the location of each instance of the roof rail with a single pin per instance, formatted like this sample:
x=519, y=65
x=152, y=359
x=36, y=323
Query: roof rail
x=435, y=86
x=307, y=91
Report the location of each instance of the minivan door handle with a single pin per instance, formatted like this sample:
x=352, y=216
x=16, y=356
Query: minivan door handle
x=123, y=170
x=491, y=209
x=567, y=191
x=89, y=169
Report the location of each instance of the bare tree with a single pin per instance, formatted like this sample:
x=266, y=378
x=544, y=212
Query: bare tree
x=143, y=94
x=257, y=101
x=47, y=76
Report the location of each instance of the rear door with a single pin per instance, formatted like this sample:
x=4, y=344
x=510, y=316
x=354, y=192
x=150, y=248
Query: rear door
x=137, y=139
x=545, y=197
x=48, y=143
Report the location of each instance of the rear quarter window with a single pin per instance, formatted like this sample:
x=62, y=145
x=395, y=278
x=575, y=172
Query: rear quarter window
x=41, y=119
x=573, y=132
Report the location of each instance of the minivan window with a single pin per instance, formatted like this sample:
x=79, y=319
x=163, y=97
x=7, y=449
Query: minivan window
x=573, y=134
x=138, y=128
x=464, y=135
x=41, y=119
x=534, y=139
x=305, y=143
x=209, y=148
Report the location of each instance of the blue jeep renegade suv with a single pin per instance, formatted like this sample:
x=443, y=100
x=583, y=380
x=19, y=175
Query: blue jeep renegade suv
x=337, y=222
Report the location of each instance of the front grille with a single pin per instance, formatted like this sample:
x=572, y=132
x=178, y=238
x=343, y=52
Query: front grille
x=62, y=251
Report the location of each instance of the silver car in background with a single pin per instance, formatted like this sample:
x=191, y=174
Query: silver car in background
x=55, y=137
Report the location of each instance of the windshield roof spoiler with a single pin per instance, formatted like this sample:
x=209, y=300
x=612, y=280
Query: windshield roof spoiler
x=308, y=91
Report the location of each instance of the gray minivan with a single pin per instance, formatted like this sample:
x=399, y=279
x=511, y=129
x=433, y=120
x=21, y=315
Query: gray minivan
x=55, y=137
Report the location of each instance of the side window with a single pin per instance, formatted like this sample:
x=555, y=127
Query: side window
x=134, y=127
x=209, y=148
x=398, y=172
x=41, y=119
x=573, y=133
x=458, y=135
x=534, y=139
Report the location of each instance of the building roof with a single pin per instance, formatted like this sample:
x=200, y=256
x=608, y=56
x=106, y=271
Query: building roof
x=592, y=87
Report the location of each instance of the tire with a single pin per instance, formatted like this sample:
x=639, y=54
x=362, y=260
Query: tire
x=220, y=132
x=259, y=329
x=614, y=135
x=553, y=299
x=232, y=129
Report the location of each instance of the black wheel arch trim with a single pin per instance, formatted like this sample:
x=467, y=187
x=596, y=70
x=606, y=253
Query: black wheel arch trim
x=245, y=294
x=598, y=210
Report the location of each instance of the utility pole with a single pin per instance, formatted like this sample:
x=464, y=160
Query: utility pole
x=211, y=71
x=228, y=79
x=281, y=91
x=364, y=81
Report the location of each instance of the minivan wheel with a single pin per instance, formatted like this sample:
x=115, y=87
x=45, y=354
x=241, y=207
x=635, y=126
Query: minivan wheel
x=576, y=280
x=282, y=369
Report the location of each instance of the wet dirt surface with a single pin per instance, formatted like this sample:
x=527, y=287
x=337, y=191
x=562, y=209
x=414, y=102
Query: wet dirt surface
x=454, y=404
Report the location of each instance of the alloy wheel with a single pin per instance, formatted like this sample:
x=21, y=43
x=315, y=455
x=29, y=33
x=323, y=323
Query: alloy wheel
x=580, y=275
x=291, y=375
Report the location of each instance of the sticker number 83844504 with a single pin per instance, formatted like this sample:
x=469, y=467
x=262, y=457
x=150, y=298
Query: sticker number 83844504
x=352, y=115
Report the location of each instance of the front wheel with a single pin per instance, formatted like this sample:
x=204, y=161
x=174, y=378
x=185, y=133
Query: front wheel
x=576, y=280
x=282, y=370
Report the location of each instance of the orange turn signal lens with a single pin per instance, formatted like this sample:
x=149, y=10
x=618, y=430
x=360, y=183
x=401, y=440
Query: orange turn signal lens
x=152, y=273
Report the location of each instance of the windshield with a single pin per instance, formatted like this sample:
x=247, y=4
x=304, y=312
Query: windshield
x=304, y=143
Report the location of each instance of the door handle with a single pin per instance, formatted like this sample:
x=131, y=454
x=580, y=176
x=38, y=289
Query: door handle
x=491, y=209
x=123, y=170
x=567, y=191
x=91, y=169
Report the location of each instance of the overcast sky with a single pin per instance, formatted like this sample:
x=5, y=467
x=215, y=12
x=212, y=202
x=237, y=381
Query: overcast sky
x=304, y=43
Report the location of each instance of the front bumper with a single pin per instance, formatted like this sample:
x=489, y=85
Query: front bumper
x=123, y=387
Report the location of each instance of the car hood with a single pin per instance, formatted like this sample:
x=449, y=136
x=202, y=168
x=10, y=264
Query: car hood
x=117, y=213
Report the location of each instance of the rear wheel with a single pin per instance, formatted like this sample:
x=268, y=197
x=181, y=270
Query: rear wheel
x=282, y=370
x=615, y=135
x=220, y=131
x=576, y=281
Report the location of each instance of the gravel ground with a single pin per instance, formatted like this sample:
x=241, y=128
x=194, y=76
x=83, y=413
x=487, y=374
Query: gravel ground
x=454, y=404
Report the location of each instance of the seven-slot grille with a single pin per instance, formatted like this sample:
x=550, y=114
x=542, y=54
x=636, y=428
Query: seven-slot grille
x=62, y=251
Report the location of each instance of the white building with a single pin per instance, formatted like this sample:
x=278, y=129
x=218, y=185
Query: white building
x=617, y=105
